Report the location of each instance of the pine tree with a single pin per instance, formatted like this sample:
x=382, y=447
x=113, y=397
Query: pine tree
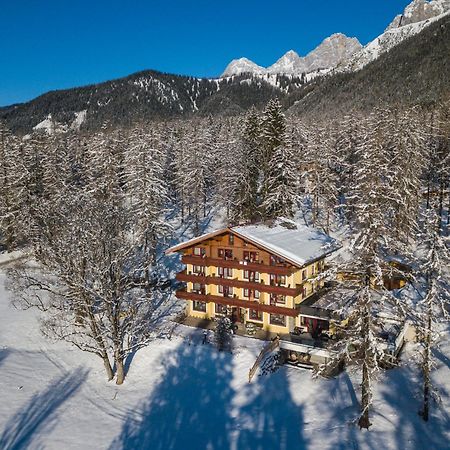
x=282, y=184
x=273, y=136
x=244, y=172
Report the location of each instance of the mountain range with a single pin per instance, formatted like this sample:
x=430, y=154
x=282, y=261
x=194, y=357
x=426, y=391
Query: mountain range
x=344, y=53
x=408, y=63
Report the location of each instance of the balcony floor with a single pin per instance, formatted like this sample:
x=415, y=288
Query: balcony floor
x=208, y=324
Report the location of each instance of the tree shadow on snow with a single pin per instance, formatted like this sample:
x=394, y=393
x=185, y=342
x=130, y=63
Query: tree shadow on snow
x=341, y=405
x=4, y=352
x=402, y=391
x=39, y=414
x=189, y=409
x=271, y=420
x=441, y=357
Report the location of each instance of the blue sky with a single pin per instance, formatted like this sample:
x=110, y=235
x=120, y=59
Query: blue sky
x=56, y=44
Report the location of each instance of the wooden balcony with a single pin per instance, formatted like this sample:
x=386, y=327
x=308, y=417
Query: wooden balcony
x=244, y=284
x=234, y=301
x=236, y=264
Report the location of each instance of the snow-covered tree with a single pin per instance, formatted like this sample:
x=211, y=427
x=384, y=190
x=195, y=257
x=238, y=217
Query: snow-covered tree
x=281, y=191
x=244, y=171
x=435, y=305
x=223, y=333
x=272, y=137
x=90, y=243
x=12, y=185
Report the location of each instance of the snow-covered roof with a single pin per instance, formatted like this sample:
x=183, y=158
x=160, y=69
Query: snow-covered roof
x=298, y=244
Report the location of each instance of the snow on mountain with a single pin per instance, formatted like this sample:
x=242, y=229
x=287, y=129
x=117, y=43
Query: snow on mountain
x=80, y=117
x=242, y=65
x=417, y=16
x=48, y=125
x=332, y=51
x=418, y=11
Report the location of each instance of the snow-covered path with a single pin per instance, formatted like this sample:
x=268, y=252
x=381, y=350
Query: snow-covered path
x=180, y=394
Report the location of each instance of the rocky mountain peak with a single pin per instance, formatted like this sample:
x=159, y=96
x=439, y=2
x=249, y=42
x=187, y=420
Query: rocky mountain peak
x=418, y=11
x=242, y=65
x=331, y=52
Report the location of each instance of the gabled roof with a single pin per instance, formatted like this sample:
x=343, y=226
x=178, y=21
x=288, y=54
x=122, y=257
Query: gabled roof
x=298, y=245
x=190, y=242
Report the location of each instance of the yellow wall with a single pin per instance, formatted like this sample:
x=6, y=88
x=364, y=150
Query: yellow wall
x=238, y=274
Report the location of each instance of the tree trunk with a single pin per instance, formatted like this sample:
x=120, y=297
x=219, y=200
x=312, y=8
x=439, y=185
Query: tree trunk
x=364, y=421
x=120, y=369
x=426, y=366
x=108, y=368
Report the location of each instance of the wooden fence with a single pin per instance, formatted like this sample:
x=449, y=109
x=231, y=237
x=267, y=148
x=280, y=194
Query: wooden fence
x=270, y=347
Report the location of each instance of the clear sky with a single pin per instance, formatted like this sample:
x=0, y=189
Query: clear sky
x=56, y=44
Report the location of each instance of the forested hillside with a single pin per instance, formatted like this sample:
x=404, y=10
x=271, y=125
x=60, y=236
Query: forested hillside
x=414, y=72
x=146, y=96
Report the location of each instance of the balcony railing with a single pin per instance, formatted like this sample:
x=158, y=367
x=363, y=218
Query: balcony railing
x=236, y=264
x=244, y=284
x=234, y=301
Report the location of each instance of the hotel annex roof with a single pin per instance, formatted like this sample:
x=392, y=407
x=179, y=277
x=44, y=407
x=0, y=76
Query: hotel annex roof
x=297, y=244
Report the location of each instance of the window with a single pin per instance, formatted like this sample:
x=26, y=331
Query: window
x=231, y=239
x=313, y=269
x=280, y=299
x=276, y=260
x=278, y=319
x=277, y=280
x=199, y=306
x=304, y=274
x=198, y=288
x=251, y=276
x=250, y=256
x=225, y=253
x=304, y=292
x=220, y=309
x=253, y=314
x=199, y=251
x=198, y=270
x=227, y=291
x=225, y=272
x=250, y=293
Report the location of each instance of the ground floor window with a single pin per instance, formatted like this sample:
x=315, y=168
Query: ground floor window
x=199, y=306
x=278, y=319
x=253, y=314
x=220, y=309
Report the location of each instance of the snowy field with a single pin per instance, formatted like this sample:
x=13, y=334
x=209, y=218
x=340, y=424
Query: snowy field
x=180, y=394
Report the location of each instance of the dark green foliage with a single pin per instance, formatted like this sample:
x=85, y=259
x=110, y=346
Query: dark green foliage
x=141, y=97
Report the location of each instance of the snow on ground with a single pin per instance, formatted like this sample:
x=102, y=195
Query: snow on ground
x=180, y=394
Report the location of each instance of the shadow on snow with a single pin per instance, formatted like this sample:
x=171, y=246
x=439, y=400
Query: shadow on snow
x=270, y=420
x=39, y=414
x=190, y=407
x=4, y=352
x=411, y=431
x=194, y=407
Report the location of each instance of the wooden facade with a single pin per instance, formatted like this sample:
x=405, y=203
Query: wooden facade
x=229, y=275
